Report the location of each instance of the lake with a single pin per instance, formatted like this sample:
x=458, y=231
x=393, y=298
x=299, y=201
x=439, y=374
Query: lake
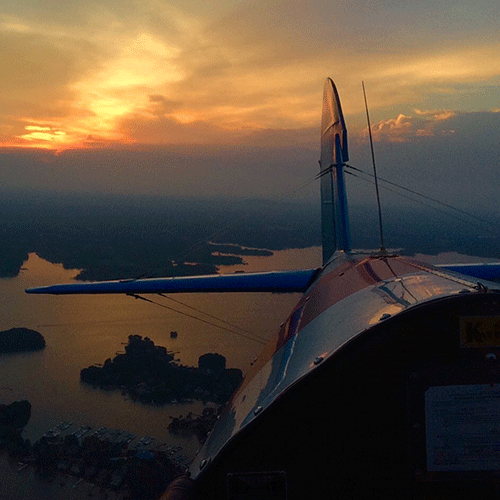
x=84, y=330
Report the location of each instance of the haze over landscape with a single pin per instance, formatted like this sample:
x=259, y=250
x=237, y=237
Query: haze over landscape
x=222, y=100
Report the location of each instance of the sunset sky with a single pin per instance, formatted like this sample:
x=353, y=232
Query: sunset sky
x=205, y=98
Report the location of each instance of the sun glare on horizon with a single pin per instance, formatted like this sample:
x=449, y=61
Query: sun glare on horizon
x=116, y=90
x=144, y=74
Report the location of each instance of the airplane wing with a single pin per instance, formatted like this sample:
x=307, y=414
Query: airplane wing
x=484, y=271
x=275, y=281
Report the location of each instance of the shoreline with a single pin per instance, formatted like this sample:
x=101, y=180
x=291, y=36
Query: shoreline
x=113, y=478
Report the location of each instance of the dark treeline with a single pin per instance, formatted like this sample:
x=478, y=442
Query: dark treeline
x=118, y=237
x=427, y=231
x=150, y=374
x=127, y=237
x=20, y=340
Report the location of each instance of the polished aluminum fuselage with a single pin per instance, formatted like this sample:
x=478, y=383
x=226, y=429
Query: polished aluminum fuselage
x=351, y=295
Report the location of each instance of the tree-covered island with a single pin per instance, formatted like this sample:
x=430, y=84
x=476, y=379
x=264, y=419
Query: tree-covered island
x=20, y=340
x=150, y=374
x=13, y=418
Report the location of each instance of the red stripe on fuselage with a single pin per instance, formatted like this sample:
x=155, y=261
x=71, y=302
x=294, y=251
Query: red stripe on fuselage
x=345, y=280
x=329, y=289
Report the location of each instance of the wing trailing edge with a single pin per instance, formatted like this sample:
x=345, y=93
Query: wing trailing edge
x=275, y=281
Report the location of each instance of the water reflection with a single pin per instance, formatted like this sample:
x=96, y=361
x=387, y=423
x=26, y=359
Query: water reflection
x=84, y=330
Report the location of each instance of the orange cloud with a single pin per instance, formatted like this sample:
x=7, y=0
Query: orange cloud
x=120, y=75
x=437, y=114
x=394, y=129
x=405, y=128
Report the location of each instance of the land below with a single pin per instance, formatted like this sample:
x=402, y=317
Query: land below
x=106, y=459
x=13, y=418
x=102, y=459
x=20, y=340
x=116, y=237
x=128, y=237
x=149, y=373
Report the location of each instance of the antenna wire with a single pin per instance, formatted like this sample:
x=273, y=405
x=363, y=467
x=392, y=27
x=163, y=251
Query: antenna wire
x=382, y=246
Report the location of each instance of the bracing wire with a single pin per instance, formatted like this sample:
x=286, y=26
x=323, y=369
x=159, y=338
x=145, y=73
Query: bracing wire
x=202, y=242
x=209, y=315
x=172, y=299
x=236, y=222
x=199, y=244
x=412, y=191
x=196, y=318
x=416, y=193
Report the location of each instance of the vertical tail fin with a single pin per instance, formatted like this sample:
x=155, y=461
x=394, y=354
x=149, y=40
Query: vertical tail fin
x=334, y=214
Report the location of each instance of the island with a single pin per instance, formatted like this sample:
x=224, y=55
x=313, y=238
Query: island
x=149, y=373
x=13, y=418
x=217, y=249
x=20, y=340
x=197, y=425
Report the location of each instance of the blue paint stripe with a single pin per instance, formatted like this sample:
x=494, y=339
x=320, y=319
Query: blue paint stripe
x=485, y=271
x=276, y=281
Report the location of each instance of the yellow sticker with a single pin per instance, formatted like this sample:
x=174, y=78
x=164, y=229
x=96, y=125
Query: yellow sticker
x=480, y=331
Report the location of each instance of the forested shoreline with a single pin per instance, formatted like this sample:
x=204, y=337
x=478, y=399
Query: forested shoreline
x=120, y=237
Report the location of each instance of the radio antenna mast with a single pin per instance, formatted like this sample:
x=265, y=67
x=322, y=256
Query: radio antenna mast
x=382, y=247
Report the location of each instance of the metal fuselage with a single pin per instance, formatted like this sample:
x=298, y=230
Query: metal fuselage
x=328, y=402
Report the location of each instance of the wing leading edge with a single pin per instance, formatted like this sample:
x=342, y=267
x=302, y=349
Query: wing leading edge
x=275, y=281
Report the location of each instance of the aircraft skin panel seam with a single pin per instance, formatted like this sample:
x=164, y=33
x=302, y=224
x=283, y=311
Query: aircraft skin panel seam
x=310, y=342
x=348, y=279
